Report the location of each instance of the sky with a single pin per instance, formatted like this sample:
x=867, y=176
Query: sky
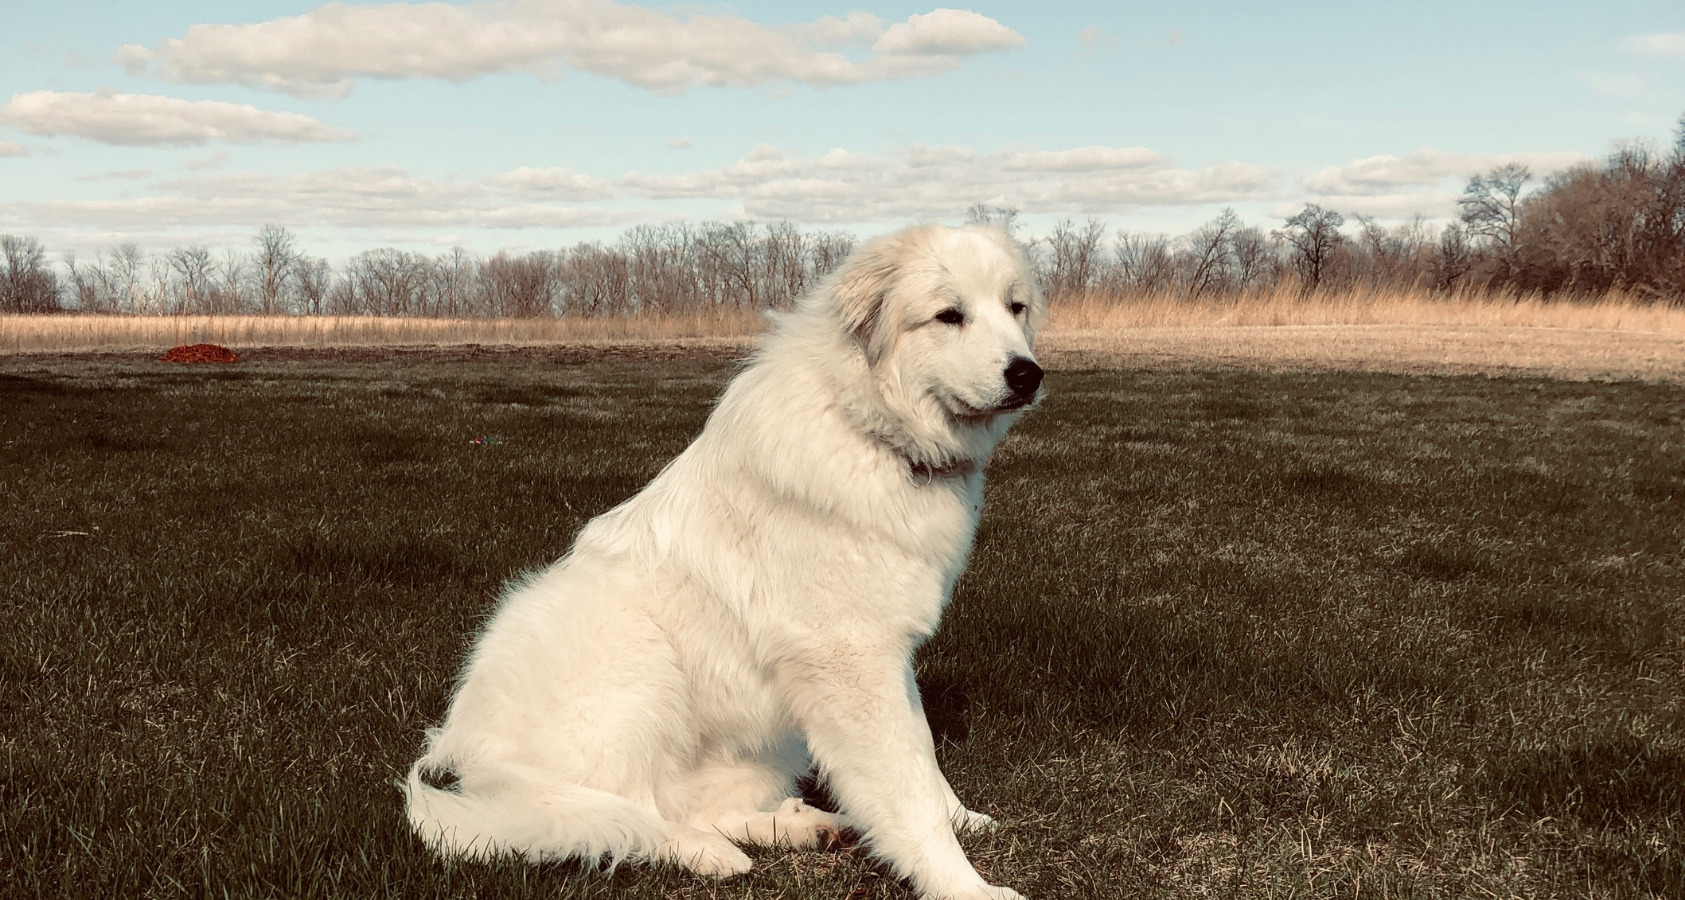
x=526, y=124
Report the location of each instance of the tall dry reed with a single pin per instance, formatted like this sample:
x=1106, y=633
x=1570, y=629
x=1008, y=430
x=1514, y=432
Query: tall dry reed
x=1087, y=314
x=60, y=333
x=1386, y=306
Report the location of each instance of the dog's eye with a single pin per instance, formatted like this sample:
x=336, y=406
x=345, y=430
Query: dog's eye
x=951, y=316
x=1017, y=307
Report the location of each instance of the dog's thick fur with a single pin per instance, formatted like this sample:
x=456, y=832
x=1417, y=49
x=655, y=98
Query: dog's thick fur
x=752, y=613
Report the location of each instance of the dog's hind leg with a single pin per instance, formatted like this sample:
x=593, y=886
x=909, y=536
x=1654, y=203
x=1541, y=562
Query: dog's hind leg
x=702, y=852
x=749, y=800
x=794, y=824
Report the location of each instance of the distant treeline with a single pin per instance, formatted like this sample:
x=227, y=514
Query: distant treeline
x=1612, y=226
x=1617, y=225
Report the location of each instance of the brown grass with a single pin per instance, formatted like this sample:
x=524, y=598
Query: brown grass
x=1225, y=634
x=1612, y=312
x=67, y=333
x=1573, y=353
x=1612, y=337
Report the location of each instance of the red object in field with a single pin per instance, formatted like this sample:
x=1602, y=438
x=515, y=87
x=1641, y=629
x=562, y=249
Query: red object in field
x=191, y=353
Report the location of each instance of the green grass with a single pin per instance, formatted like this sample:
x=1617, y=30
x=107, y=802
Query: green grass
x=1225, y=634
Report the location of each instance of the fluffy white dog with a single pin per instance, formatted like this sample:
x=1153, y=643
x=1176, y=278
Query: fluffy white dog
x=753, y=612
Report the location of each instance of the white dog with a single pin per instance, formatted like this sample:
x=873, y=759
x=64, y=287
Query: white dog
x=753, y=612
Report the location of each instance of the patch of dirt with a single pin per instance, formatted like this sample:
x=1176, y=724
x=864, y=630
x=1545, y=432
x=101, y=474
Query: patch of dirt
x=200, y=353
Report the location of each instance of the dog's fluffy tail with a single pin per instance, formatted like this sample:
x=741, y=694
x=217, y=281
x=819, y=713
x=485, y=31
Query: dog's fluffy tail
x=521, y=815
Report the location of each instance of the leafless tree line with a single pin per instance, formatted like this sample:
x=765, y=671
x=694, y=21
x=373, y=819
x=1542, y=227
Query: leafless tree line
x=27, y=285
x=676, y=267
x=1312, y=251
x=1614, y=225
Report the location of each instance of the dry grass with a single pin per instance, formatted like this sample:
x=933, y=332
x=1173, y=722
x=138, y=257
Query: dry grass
x=70, y=333
x=1087, y=315
x=1574, y=353
x=1614, y=337
x=1612, y=312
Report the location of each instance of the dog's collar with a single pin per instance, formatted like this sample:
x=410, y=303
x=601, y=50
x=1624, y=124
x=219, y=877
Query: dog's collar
x=928, y=473
x=925, y=472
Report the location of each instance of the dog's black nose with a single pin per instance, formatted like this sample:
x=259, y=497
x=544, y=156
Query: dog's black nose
x=1023, y=376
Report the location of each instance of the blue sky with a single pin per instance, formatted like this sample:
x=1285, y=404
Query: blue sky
x=538, y=123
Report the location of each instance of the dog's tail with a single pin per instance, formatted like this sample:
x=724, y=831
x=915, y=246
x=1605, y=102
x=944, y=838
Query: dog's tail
x=516, y=813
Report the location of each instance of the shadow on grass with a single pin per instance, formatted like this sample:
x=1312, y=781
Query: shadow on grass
x=1597, y=783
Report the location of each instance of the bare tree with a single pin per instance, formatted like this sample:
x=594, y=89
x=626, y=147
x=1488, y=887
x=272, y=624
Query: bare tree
x=451, y=284
x=1073, y=256
x=830, y=248
x=1145, y=263
x=88, y=284
x=1254, y=257
x=521, y=286
x=314, y=278
x=27, y=285
x=1209, y=252
x=1315, y=235
x=228, y=292
x=194, y=271
x=1452, y=258
x=1397, y=257
x=384, y=282
x=730, y=251
x=1490, y=208
x=783, y=264
x=276, y=260
x=128, y=268
x=1619, y=225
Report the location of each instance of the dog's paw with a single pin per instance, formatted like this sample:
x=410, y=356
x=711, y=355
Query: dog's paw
x=981, y=892
x=968, y=822
x=704, y=853
x=804, y=827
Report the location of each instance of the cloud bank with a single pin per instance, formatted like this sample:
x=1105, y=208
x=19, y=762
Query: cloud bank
x=836, y=188
x=924, y=181
x=323, y=52
x=357, y=198
x=153, y=120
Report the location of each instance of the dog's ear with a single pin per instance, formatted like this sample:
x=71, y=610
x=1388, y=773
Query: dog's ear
x=858, y=296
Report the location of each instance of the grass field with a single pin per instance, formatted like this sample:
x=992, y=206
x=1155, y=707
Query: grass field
x=1226, y=633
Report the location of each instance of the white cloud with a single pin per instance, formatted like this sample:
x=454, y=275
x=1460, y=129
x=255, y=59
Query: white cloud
x=940, y=182
x=323, y=52
x=121, y=175
x=383, y=197
x=150, y=119
x=1431, y=204
x=1666, y=43
x=204, y=163
x=1084, y=159
x=1625, y=86
x=12, y=148
x=830, y=32
x=946, y=32
x=1376, y=176
x=682, y=142
x=553, y=184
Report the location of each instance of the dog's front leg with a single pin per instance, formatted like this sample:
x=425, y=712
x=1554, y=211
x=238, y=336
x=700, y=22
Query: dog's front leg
x=962, y=817
x=871, y=742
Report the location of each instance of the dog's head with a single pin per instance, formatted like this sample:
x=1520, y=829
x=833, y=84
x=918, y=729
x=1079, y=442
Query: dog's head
x=945, y=319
